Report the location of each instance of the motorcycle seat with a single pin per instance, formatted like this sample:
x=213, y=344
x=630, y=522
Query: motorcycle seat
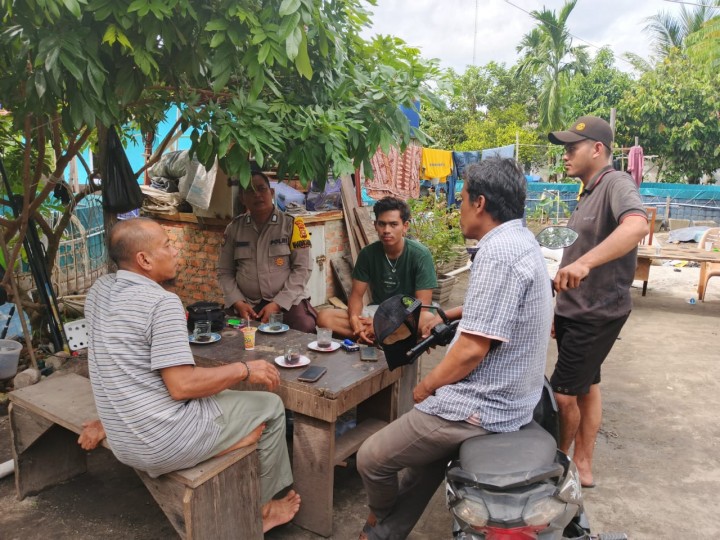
x=530, y=448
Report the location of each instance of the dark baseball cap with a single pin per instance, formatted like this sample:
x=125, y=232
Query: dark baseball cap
x=585, y=127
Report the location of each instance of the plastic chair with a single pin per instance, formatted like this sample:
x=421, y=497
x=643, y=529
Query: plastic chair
x=708, y=269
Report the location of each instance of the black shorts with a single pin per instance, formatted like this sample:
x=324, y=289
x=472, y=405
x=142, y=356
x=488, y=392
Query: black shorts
x=582, y=348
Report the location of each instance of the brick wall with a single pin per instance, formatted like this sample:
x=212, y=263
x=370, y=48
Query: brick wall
x=199, y=248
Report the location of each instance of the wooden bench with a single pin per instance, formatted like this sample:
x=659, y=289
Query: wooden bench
x=216, y=499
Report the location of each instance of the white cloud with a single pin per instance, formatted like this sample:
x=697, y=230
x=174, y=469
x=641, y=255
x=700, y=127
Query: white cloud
x=445, y=29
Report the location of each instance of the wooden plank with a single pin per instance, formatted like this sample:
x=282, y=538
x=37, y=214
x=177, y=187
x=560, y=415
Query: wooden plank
x=227, y=505
x=347, y=193
x=348, y=443
x=313, y=472
x=202, y=472
x=65, y=399
x=406, y=385
x=169, y=495
x=54, y=457
x=342, y=270
x=366, y=225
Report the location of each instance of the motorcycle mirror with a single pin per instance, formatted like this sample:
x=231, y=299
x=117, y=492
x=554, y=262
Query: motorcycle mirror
x=556, y=237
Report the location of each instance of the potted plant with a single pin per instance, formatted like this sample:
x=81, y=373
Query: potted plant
x=438, y=229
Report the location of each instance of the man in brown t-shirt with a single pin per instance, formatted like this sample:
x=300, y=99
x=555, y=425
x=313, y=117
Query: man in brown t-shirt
x=593, y=282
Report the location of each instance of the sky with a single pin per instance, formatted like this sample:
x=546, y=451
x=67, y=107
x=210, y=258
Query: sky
x=445, y=29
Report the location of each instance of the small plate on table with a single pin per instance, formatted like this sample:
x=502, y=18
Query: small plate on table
x=280, y=361
x=334, y=346
x=214, y=338
x=268, y=328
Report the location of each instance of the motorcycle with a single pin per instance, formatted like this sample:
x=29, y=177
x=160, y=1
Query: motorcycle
x=502, y=486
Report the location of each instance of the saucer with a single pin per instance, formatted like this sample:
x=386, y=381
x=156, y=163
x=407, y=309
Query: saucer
x=266, y=329
x=334, y=346
x=213, y=339
x=280, y=361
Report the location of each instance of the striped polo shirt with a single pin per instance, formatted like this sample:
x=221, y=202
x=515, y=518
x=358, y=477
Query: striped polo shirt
x=137, y=328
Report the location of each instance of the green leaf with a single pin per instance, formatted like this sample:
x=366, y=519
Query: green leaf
x=73, y=7
x=217, y=40
x=302, y=62
x=288, y=7
x=293, y=41
x=40, y=85
x=74, y=70
x=110, y=35
x=217, y=24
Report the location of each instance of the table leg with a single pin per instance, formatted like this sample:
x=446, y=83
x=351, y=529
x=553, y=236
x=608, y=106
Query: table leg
x=642, y=272
x=313, y=472
x=702, y=281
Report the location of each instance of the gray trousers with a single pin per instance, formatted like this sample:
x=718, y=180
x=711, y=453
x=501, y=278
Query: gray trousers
x=243, y=412
x=422, y=445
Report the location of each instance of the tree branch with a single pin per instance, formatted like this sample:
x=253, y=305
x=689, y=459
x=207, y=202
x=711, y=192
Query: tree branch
x=158, y=153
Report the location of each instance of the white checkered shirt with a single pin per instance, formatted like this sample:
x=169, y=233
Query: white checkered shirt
x=508, y=300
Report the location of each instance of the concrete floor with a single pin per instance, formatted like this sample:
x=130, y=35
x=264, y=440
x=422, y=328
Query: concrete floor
x=657, y=458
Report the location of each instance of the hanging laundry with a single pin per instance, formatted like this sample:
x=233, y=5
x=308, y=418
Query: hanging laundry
x=499, y=152
x=636, y=160
x=436, y=164
x=460, y=161
x=395, y=174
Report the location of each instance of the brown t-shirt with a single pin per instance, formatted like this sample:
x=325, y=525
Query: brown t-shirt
x=605, y=294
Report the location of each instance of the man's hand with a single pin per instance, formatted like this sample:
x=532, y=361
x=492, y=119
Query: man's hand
x=245, y=310
x=265, y=312
x=92, y=435
x=570, y=276
x=366, y=332
x=262, y=372
x=429, y=325
x=421, y=392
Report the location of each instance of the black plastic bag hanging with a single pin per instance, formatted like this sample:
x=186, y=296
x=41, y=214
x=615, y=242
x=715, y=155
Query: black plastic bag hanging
x=121, y=192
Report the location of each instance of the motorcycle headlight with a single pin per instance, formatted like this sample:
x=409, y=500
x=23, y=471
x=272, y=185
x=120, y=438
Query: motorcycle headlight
x=570, y=490
x=472, y=512
x=542, y=511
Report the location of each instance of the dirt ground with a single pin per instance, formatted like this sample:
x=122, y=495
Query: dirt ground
x=657, y=460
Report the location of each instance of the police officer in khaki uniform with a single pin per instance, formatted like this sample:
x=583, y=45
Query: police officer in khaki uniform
x=265, y=261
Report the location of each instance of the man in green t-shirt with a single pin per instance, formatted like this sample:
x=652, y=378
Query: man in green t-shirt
x=392, y=265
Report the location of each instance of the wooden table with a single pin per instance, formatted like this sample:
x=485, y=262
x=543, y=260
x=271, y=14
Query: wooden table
x=349, y=382
x=682, y=252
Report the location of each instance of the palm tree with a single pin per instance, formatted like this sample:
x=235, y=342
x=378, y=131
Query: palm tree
x=668, y=31
x=548, y=55
x=703, y=46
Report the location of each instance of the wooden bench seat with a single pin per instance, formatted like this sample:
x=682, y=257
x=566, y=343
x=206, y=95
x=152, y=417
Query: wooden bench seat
x=217, y=499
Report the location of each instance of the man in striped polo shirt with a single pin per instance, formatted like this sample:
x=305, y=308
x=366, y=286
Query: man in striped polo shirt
x=159, y=411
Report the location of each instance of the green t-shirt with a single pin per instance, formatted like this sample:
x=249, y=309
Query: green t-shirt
x=414, y=270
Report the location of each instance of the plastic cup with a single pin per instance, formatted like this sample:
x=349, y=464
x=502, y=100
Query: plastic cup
x=202, y=331
x=324, y=337
x=275, y=321
x=708, y=246
x=658, y=249
x=249, y=337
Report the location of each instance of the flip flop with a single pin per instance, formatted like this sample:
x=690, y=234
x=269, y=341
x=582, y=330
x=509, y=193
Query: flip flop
x=588, y=486
x=367, y=528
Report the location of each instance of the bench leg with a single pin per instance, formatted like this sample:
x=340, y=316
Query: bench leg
x=45, y=454
x=226, y=506
x=314, y=472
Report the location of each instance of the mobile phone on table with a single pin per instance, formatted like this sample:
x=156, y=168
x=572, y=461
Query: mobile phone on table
x=368, y=354
x=312, y=374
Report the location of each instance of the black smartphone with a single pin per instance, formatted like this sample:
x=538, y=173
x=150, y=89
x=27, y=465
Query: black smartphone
x=368, y=354
x=312, y=374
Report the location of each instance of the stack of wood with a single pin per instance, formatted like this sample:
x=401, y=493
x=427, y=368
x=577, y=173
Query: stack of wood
x=360, y=231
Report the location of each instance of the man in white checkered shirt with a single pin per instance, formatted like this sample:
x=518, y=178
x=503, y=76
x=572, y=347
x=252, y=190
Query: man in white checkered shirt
x=492, y=376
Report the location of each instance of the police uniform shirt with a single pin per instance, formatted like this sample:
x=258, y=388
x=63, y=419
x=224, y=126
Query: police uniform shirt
x=270, y=262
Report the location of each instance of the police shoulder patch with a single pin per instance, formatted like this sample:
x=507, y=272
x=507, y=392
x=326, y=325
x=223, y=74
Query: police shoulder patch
x=300, y=235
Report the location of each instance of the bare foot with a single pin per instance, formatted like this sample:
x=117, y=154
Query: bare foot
x=248, y=440
x=586, y=475
x=279, y=511
x=369, y=524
